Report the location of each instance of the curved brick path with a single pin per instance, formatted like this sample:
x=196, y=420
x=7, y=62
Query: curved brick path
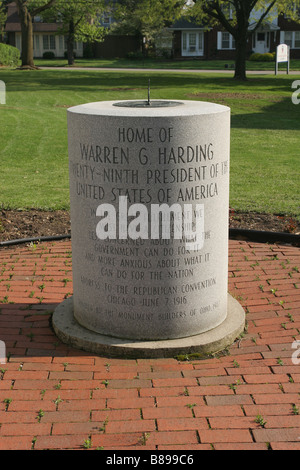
x=52, y=396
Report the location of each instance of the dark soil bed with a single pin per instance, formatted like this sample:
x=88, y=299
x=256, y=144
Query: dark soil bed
x=34, y=223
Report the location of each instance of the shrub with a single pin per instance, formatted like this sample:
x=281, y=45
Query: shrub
x=9, y=55
x=88, y=52
x=164, y=52
x=49, y=55
x=138, y=55
x=269, y=57
x=66, y=54
x=266, y=57
x=255, y=57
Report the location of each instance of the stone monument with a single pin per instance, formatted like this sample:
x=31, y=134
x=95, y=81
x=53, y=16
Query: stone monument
x=149, y=194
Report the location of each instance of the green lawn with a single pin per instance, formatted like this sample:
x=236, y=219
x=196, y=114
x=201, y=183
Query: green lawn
x=189, y=64
x=33, y=136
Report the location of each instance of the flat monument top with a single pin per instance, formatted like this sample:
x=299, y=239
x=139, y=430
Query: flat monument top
x=180, y=108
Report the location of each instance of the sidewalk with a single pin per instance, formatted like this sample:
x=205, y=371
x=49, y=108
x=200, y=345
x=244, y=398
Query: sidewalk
x=55, y=397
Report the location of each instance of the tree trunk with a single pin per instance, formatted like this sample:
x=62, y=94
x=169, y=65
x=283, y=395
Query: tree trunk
x=241, y=56
x=27, y=38
x=70, y=43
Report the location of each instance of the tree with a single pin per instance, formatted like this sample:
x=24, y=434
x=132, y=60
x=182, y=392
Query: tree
x=236, y=16
x=79, y=21
x=146, y=18
x=3, y=17
x=28, y=9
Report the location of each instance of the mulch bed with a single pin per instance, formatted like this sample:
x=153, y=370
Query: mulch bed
x=34, y=223
x=16, y=224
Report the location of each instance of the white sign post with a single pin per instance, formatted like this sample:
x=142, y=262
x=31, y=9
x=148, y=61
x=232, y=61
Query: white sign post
x=282, y=55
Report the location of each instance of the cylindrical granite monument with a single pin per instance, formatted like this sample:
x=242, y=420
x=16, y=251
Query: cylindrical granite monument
x=149, y=194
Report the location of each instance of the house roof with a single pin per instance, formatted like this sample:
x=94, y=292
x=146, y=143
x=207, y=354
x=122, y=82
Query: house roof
x=13, y=24
x=185, y=23
x=12, y=14
x=37, y=27
x=265, y=26
x=190, y=23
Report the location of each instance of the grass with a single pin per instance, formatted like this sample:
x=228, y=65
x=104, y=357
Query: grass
x=264, y=136
x=187, y=64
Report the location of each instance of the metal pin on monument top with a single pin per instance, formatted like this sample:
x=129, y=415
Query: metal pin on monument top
x=147, y=103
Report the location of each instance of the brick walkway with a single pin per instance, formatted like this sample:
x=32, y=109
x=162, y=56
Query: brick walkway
x=52, y=396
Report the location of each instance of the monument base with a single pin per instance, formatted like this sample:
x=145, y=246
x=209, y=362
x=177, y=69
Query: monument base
x=70, y=332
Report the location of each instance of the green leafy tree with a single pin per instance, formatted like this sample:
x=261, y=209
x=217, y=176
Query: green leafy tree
x=235, y=16
x=3, y=17
x=79, y=20
x=27, y=10
x=146, y=18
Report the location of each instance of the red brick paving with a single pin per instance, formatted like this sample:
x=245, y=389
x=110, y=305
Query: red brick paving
x=55, y=397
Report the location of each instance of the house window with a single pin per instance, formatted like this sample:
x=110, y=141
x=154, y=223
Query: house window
x=260, y=36
x=106, y=19
x=288, y=38
x=36, y=42
x=192, y=43
x=18, y=41
x=225, y=40
x=61, y=42
x=77, y=46
x=228, y=11
x=292, y=39
x=48, y=42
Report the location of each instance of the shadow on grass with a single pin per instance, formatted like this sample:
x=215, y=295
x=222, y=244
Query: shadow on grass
x=262, y=102
x=283, y=115
x=19, y=80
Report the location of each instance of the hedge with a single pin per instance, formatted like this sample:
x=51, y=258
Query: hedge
x=267, y=57
x=9, y=55
x=49, y=55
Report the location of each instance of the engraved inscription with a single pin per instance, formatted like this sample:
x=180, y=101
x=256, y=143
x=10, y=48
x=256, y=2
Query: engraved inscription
x=143, y=278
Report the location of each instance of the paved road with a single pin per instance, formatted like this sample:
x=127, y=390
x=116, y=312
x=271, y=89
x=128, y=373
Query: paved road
x=229, y=71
